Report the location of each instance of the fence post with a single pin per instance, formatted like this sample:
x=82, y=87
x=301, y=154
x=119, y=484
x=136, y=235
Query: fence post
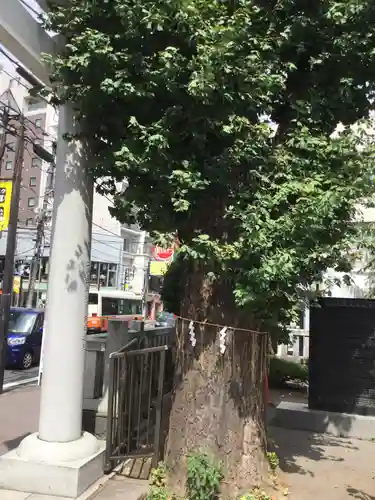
x=110, y=416
x=159, y=408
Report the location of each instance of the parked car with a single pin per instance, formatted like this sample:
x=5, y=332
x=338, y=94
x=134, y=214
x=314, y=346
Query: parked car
x=25, y=333
x=165, y=319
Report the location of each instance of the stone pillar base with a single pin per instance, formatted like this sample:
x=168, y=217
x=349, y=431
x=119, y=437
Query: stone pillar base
x=58, y=469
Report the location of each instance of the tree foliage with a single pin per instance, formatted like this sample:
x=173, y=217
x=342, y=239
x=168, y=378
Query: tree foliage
x=220, y=114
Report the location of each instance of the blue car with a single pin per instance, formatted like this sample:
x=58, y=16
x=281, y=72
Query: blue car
x=24, y=337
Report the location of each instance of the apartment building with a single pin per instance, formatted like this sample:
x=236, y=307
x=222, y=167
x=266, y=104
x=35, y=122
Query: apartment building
x=120, y=253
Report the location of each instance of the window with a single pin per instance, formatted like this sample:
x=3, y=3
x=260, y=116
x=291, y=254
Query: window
x=131, y=246
x=31, y=202
x=110, y=306
x=29, y=222
x=8, y=165
x=124, y=306
x=35, y=162
x=112, y=275
x=35, y=103
x=129, y=275
x=39, y=323
x=32, y=182
x=103, y=274
x=21, y=322
x=93, y=298
x=94, y=274
x=136, y=307
x=38, y=122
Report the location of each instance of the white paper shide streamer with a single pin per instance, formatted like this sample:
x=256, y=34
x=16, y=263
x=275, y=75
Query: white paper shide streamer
x=222, y=339
x=193, y=340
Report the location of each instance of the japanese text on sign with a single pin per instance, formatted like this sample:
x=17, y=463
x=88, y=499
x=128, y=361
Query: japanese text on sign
x=5, y=198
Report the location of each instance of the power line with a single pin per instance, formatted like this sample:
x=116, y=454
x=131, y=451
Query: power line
x=102, y=194
x=105, y=244
x=14, y=77
x=105, y=229
x=111, y=232
x=45, y=133
x=10, y=59
x=26, y=251
x=24, y=73
x=30, y=8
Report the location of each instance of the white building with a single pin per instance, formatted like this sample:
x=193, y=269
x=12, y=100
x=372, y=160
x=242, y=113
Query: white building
x=362, y=282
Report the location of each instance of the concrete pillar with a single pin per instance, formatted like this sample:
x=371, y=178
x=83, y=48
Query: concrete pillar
x=61, y=460
x=64, y=344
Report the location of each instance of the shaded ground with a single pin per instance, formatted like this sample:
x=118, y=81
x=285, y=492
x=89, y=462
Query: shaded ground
x=319, y=466
x=19, y=414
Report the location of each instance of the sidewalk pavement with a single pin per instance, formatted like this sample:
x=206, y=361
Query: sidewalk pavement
x=120, y=488
x=116, y=488
x=19, y=415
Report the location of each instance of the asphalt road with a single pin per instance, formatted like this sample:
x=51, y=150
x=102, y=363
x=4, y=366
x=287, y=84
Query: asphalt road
x=17, y=376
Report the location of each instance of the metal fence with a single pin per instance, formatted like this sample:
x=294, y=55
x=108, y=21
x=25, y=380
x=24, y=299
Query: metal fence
x=137, y=379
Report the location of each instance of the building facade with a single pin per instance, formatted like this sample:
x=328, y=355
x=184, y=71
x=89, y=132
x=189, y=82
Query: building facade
x=120, y=254
x=362, y=283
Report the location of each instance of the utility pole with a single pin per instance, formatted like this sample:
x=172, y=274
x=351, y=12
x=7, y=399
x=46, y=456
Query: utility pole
x=37, y=257
x=6, y=296
x=3, y=143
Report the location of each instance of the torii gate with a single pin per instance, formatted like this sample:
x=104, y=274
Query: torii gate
x=59, y=459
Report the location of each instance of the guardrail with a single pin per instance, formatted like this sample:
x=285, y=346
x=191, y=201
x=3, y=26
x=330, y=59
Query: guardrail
x=138, y=374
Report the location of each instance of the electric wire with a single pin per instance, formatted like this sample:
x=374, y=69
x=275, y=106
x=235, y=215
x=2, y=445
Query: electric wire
x=44, y=132
x=30, y=8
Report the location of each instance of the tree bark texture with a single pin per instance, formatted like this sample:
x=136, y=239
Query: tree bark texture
x=218, y=401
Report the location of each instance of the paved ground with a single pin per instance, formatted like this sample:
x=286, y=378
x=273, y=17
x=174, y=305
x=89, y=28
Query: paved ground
x=13, y=377
x=318, y=466
x=313, y=466
x=19, y=414
x=119, y=489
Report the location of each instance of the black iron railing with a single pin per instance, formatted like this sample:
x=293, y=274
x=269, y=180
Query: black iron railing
x=137, y=384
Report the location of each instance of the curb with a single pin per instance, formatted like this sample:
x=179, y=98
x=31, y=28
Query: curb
x=19, y=383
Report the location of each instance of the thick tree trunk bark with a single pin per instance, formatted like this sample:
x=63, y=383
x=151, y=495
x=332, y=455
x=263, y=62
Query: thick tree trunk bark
x=218, y=403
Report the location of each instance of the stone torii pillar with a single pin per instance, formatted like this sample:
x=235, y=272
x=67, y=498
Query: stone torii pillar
x=59, y=459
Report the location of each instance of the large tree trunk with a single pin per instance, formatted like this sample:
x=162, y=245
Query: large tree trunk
x=218, y=403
